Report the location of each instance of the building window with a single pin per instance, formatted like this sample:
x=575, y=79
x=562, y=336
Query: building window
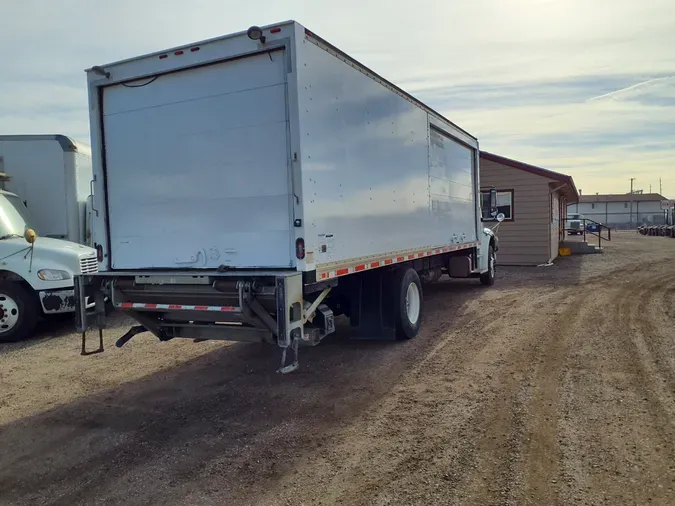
x=625, y=205
x=504, y=204
x=592, y=206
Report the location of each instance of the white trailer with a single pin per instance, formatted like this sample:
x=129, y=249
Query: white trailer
x=52, y=173
x=253, y=186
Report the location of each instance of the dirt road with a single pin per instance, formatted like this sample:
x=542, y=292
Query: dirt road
x=556, y=386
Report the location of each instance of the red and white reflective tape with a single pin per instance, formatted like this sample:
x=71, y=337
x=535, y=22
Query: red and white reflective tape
x=176, y=307
x=396, y=260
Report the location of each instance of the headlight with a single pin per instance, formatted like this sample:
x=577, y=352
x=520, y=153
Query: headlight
x=53, y=275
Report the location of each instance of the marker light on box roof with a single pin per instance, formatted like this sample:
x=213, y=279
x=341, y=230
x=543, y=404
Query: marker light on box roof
x=256, y=33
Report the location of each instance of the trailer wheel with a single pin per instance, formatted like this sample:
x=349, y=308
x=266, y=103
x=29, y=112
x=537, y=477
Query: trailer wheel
x=488, y=277
x=18, y=312
x=410, y=304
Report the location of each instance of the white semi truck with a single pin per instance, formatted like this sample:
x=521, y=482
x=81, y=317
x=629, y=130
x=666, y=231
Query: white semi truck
x=52, y=174
x=254, y=186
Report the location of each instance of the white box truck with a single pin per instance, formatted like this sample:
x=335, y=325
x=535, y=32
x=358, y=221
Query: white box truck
x=36, y=273
x=253, y=186
x=52, y=174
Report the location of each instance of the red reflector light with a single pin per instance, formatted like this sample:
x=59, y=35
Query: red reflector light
x=275, y=30
x=300, y=248
x=193, y=49
x=162, y=56
x=178, y=53
x=99, y=253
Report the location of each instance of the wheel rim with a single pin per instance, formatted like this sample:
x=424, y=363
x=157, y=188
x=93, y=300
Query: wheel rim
x=412, y=303
x=9, y=313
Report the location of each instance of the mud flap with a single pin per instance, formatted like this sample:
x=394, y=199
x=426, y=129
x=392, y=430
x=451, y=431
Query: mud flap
x=373, y=306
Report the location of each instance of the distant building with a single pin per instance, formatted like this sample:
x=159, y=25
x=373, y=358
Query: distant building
x=534, y=201
x=621, y=211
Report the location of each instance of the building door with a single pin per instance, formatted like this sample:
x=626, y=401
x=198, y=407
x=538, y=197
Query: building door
x=555, y=225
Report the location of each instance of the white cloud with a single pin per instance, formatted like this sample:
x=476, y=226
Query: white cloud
x=423, y=46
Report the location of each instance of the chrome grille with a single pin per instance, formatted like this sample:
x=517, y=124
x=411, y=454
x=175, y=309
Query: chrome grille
x=88, y=265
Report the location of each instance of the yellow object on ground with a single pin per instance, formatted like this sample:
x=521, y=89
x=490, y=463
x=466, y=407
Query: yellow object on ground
x=565, y=252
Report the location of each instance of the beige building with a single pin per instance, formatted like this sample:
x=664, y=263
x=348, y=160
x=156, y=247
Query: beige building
x=534, y=201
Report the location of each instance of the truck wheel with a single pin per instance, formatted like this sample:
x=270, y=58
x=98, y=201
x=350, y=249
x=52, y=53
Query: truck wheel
x=488, y=277
x=18, y=312
x=409, y=310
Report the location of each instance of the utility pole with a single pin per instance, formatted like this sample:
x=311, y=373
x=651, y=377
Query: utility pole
x=650, y=187
x=660, y=187
x=631, y=204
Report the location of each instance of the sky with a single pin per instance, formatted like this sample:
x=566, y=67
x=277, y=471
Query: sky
x=583, y=87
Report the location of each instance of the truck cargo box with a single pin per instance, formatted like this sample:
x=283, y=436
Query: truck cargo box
x=282, y=154
x=255, y=186
x=52, y=174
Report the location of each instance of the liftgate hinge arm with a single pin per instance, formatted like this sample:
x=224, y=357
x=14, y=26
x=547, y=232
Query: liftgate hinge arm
x=309, y=312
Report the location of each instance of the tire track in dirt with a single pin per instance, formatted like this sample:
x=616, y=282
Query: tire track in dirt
x=411, y=449
x=448, y=441
x=646, y=336
x=646, y=381
x=538, y=391
x=518, y=450
x=654, y=343
x=497, y=441
x=534, y=476
x=602, y=459
x=419, y=445
x=540, y=472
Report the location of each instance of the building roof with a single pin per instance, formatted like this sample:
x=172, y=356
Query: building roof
x=623, y=197
x=572, y=194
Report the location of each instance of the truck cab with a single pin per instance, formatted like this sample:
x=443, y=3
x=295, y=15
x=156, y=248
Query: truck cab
x=575, y=225
x=36, y=273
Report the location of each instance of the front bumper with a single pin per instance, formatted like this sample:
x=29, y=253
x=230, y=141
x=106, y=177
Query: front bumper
x=60, y=301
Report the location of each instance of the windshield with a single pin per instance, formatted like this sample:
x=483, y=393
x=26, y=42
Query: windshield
x=14, y=216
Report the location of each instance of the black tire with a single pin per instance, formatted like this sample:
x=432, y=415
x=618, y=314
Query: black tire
x=488, y=278
x=404, y=281
x=18, y=312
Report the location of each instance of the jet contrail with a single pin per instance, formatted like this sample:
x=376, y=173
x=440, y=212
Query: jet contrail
x=632, y=87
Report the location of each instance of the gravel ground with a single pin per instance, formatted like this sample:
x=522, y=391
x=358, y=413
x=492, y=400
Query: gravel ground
x=555, y=386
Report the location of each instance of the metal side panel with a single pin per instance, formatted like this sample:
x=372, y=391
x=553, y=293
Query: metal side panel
x=83, y=190
x=452, y=186
x=197, y=167
x=370, y=181
x=37, y=170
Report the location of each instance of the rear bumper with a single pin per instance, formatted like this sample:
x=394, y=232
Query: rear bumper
x=60, y=301
x=259, y=306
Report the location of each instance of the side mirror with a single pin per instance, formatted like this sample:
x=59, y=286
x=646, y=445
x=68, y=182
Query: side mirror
x=500, y=217
x=30, y=236
x=493, y=202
